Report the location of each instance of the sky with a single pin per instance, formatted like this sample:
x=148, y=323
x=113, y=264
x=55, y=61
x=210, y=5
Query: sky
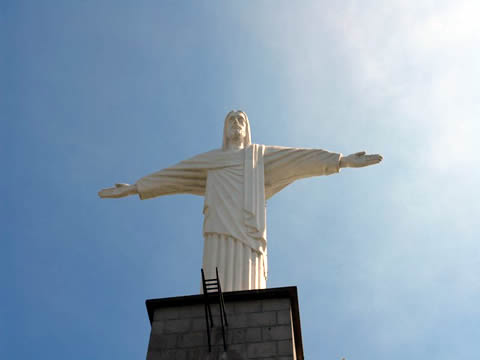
x=386, y=258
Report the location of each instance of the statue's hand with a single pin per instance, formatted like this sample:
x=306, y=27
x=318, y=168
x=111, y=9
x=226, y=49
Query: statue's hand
x=120, y=190
x=360, y=159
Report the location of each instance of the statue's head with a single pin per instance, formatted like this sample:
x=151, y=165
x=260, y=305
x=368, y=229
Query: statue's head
x=236, y=128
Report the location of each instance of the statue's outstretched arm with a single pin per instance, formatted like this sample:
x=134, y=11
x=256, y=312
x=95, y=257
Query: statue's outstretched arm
x=359, y=159
x=119, y=191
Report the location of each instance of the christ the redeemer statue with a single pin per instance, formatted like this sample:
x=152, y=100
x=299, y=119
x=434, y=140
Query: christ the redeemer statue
x=236, y=180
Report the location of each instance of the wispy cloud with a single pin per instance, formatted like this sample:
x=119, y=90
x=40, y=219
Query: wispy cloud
x=426, y=59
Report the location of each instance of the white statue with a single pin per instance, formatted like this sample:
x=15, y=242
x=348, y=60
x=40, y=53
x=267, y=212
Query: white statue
x=236, y=180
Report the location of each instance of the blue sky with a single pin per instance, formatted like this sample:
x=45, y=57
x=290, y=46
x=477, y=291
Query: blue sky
x=386, y=258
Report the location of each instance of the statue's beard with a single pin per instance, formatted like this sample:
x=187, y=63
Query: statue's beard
x=237, y=135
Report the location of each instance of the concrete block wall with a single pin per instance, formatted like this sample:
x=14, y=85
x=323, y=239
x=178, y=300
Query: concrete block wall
x=258, y=329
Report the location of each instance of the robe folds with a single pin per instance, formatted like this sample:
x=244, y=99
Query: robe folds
x=236, y=185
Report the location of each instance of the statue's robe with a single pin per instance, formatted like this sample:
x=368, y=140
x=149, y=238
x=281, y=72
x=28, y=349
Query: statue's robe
x=236, y=184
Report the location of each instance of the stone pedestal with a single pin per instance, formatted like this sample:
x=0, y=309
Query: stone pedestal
x=263, y=324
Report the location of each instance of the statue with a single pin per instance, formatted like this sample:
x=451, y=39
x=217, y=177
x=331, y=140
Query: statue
x=236, y=181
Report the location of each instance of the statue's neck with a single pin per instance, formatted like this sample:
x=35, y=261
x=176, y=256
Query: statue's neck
x=235, y=145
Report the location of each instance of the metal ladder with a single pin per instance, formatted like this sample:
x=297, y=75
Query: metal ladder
x=212, y=288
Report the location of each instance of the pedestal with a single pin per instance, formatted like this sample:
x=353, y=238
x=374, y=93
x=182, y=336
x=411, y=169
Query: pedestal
x=262, y=324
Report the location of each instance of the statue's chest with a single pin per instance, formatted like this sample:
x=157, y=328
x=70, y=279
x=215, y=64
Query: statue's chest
x=225, y=184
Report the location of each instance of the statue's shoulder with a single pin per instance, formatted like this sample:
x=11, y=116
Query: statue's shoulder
x=208, y=155
x=274, y=148
x=214, y=151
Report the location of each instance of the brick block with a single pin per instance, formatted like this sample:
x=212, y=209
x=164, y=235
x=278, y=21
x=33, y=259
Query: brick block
x=161, y=355
x=199, y=324
x=248, y=306
x=277, y=333
x=195, y=339
x=166, y=314
x=262, y=319
x=193, y=311
x=239, y=348
x=181, y=354
x=284, y=317
x=261, y=350
x=236, y=336
x=158, y=327
x=162, y=342
x=217, y=336
x=236, y=321
x=229, y=309
x=197, y=354
x=177, y=326
x=234, y=352
x=275, y=304
x=285, y=347
x=253, y=335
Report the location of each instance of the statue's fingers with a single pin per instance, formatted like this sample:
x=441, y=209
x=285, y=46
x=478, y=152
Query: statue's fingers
x=360, y=153
x=109, y=192
x=103, y=193
x=121, y=185
x=373, y=159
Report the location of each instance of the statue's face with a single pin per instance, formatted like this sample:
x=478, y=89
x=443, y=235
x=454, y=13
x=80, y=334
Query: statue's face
x=236, y=126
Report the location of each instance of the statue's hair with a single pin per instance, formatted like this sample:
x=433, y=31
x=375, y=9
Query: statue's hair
x=248, y=139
